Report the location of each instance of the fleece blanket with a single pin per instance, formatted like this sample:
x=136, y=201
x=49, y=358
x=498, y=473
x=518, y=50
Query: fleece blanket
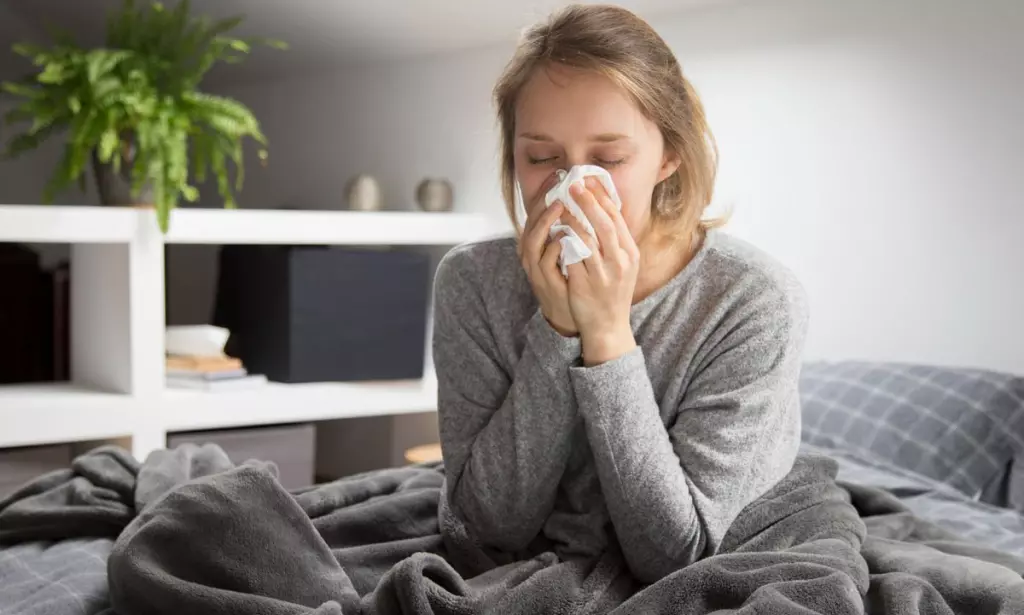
x=198, y=534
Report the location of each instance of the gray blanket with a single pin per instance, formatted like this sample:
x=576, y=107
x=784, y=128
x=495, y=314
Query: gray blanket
x=197, y=534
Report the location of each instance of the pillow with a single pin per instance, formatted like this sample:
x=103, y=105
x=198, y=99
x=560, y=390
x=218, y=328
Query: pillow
x=961, y=427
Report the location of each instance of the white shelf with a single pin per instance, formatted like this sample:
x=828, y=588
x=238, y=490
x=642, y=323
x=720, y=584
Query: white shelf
x=69, y=224
x=276, y=226
x=96, y=224
x=62, y=412
x=184, y=410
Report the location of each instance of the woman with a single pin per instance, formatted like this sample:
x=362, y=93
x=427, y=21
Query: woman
x=651, y=394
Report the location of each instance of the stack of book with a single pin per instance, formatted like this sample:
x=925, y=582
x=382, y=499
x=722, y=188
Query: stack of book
x=210, y=373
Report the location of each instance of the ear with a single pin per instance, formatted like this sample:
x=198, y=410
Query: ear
x=669, y=165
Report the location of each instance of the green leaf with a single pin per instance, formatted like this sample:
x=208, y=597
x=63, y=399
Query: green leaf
x=25, y=142
x=40, y=123
x=26, y=50
x=18, y=115
x=108, y=145
x=38, y=55
x=200, y=156
x=19, y=89
x=101, y=62
x=105, y=87
x=240, y=45
x=53, y=73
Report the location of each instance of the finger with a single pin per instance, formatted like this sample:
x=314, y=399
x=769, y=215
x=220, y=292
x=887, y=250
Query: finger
x=599, y=218
x=586, y=236
x=575, y=271
x=537, y=204
x=534, y=242
x=549, y=267
x=626, y=240
x=596, y=187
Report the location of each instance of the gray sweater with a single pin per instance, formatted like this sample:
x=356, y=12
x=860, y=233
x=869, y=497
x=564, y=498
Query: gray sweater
x=658, y=450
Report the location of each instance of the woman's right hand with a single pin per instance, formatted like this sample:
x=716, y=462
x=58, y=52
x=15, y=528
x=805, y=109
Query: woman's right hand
x=539, y=254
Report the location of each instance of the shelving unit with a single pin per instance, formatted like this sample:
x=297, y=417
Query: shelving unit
x=118, y=321
x=63, y=412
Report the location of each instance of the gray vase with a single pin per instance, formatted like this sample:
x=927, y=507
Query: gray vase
x=115, y=187
x=363, y=194
x=435, y=195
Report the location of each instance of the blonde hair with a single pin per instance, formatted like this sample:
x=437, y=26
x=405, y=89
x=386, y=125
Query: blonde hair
x=616, y=43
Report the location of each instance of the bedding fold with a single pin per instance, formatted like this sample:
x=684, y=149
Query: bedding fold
x=196, y=533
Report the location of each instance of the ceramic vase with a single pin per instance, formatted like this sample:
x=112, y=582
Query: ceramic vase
x=435, y=195
x=363, y=193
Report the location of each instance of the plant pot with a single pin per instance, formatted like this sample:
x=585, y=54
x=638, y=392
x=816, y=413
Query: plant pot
x=115, y=188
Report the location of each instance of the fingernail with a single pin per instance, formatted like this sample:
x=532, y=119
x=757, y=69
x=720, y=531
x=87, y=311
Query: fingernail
x=577, y=188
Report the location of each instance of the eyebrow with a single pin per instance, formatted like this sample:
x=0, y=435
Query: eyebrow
x=607, y=137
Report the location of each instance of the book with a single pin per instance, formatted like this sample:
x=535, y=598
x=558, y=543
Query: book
x=207, y=364
x=200, y=374
x=229, y=384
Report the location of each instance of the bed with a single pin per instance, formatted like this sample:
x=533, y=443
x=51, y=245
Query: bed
x=943, y=443
x=948, y=442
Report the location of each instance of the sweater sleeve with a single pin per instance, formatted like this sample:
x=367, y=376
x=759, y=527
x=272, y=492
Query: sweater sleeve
x=505, y=437
x=673, y=490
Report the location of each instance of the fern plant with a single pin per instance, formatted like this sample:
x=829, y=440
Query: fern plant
x=134, y=106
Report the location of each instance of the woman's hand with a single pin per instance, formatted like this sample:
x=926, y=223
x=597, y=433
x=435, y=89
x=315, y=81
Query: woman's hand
x=601, y=287
x=539, y=255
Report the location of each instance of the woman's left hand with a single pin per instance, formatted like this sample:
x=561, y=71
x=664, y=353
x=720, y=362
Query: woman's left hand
x=601, y=287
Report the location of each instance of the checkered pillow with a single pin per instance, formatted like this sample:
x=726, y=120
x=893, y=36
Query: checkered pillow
x=962, y=427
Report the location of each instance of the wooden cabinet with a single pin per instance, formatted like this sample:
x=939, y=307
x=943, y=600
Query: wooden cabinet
x=291, y=447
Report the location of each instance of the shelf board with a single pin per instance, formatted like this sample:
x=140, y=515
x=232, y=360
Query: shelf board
x=279, y=226
x=97, y=224
x=276, y=403
x=44, y=413
x=68, y=224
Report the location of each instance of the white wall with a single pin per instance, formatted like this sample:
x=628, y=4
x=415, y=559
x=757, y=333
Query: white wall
x=876, y=147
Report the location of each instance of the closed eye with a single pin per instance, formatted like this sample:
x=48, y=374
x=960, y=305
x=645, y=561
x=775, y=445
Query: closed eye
x=533, y=160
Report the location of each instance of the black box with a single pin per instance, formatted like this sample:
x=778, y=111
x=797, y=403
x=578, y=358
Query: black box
x=314, y=314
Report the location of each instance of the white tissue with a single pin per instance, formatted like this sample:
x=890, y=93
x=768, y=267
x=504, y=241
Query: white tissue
x=574, y=250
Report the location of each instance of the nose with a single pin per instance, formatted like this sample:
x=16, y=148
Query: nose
x=576, y=155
